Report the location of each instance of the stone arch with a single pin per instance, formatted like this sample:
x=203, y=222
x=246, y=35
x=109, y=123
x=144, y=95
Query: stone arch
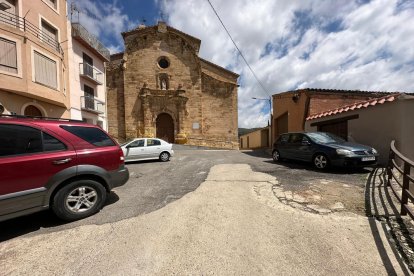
x=165, y=127
x=33, y=109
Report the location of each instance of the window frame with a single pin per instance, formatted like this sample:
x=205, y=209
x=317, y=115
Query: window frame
x=41, y=139
x=58, y=66
x=55, y=9
x=136, y=141
x=109, y=138
x=42, y=18
x=153, y=145
x=19, y=73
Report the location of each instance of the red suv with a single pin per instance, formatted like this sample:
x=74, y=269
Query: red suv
x=67, y=165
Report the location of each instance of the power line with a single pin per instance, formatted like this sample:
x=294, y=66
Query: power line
x=241, y=54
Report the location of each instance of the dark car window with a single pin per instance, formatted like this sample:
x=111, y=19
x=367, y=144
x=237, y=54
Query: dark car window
x=16, y=139
x=305, y=139
x=325, y=138
x=93, y=135
x=295, y=138
x=50, y=143
x=153, y=142
x=283, y=138
x=138, y=143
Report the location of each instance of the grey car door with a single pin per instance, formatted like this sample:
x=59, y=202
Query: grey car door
x=135, y=150
x=282, y=145
x=305, y=150
x=294, y=144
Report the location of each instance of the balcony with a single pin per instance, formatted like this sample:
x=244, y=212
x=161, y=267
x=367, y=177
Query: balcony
x=92, y=104
x=91, y=73
x=22, y=24
x=90, y=41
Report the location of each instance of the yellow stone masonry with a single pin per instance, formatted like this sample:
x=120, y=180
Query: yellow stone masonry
x=159, y=87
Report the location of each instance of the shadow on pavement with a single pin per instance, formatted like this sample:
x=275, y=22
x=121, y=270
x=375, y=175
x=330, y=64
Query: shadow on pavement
x=381, y=206
x=19, y=226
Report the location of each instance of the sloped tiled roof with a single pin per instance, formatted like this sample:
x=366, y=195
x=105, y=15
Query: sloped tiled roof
x=339, y=91
x=358, y=105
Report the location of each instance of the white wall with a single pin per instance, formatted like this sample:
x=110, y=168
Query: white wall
x=407, y=126
x=76, y=82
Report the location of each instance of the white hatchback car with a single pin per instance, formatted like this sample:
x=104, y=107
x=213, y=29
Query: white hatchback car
x=146, y=149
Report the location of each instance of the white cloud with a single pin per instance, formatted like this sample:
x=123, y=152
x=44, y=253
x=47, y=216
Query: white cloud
x=337, y=44
x=104, y=20
x=290, y=44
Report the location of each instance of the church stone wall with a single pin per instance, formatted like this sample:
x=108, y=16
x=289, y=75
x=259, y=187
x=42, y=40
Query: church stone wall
x=115, y=100
x=201, y=98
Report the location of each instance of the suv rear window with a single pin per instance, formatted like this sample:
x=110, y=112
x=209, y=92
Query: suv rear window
x=92, y=135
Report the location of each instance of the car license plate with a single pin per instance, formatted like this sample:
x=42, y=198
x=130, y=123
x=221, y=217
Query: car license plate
x=371, y=158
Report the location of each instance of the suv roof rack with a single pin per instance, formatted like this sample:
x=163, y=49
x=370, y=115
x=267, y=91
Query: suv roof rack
x=40, y=117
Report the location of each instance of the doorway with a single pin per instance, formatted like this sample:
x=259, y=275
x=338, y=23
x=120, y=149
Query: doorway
x=282, y=125
x=165, y=127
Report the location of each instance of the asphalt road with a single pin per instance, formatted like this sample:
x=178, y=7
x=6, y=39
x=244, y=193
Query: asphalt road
x=154, y=184
x=232, y=224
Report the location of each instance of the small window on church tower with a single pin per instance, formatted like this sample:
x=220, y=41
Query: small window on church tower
x=163, y=63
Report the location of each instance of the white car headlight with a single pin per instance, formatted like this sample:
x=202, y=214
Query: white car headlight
x=343, y=152
x=374, y=151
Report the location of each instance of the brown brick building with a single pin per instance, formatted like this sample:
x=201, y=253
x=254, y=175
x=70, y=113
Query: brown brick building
x=291, y=108
x=159, y=87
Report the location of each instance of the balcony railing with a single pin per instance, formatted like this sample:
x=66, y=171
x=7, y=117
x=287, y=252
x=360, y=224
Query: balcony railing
x=92, y=104
x=79, y=32
x=91, y=73
x=23, y=24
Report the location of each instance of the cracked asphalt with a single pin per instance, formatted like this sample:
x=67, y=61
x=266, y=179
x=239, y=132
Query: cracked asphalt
x=154, y=184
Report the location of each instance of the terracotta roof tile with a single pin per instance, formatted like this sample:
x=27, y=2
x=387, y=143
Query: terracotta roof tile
x=358, y=105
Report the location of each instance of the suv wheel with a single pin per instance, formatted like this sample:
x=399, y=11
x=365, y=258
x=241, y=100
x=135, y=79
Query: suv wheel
x=164, y=156
x=276, y=156
x=320, y=161
x=79, y=199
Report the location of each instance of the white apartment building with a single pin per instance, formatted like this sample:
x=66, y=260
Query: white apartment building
x=87, y=57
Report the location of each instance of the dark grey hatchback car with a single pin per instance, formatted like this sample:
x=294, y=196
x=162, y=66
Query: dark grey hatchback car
x=323, y=150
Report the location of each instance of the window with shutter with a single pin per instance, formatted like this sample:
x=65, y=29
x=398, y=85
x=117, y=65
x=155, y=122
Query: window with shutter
x=8, y=56
x=53, y=3
x=49, y=35
x=45, y=70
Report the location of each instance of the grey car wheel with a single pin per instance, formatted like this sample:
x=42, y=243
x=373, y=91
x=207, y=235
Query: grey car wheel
x=79, y=199
x=164, y=156
x=321, y=161
x=276, y=156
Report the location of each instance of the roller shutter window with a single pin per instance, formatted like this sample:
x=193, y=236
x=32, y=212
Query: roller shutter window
x=8, y=56
x=45, y=70
x=53, y=3
x=49, y=35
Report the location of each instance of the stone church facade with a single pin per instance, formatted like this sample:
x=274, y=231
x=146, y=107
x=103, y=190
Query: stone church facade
x=160, y=87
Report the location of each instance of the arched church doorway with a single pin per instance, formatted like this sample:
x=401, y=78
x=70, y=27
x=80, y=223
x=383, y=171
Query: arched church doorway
x=33, y=111
x=165, y=127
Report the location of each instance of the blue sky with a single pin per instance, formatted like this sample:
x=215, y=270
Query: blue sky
x=290, y=44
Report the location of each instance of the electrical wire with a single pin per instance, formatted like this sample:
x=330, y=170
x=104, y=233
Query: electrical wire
x=240, y=52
